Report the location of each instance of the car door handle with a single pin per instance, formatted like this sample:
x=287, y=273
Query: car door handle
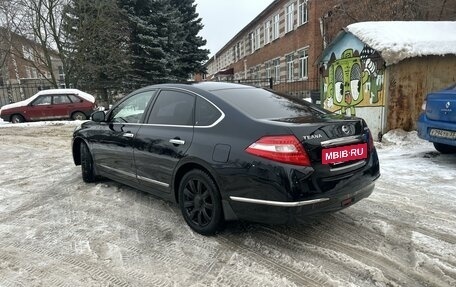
x=128, y=135
x=177, y=141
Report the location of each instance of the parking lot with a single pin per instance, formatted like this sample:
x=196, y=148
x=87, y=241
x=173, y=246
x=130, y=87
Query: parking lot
x=57, y=230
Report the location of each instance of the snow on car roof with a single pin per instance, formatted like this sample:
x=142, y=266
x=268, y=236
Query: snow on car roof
x=398, y=40
x=82, y=94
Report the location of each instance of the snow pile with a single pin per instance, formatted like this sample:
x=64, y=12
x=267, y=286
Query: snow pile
x=402, y=138
x=398, y=40
x=4, y=124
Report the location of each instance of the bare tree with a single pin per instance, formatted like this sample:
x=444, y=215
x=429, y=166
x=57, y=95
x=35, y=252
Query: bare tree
x=39, y=22
x=8, y=14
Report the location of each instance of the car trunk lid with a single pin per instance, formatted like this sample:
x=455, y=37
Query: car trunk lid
x=441, y=106
x=335, y=144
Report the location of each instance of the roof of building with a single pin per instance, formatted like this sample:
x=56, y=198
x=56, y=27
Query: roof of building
x=398, y=40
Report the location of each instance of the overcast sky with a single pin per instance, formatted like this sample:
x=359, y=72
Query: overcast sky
x=223, y=19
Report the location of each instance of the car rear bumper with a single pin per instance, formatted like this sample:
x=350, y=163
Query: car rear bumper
x=424, y=126
x=291, y=212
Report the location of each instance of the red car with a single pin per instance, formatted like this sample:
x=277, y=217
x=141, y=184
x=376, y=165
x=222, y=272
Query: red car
x=50, y=105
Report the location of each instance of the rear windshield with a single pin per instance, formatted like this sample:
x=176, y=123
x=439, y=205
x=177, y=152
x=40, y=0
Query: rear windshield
x=265, y=104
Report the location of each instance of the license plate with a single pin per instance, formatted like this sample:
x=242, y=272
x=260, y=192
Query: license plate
x=443, y=134
x=344, y=153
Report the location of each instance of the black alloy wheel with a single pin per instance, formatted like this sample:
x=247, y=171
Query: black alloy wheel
x=78, y=116
x=88, y=174
x=200, y=202
x=15, y=119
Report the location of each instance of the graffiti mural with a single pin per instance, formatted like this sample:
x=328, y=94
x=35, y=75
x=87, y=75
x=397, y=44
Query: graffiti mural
x=353, y=78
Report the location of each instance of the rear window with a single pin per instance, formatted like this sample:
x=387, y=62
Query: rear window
x=264, y=104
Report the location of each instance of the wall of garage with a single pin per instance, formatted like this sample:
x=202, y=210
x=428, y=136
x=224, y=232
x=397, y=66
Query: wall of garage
x=408, y=83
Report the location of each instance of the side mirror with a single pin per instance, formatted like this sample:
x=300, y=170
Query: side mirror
x=98, y=116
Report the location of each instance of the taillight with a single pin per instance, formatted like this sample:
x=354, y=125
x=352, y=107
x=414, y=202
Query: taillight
x=286, y=149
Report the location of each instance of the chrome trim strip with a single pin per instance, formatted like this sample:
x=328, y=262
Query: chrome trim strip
x=339, y=141
x=176, y=141
x=359, y=163
x=153, y=181
x=278, y=203
x=118, y=171
x=183, y=126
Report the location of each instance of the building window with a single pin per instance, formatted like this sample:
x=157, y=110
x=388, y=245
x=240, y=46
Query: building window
x=290, y=67
x=31, y=73
x=61, y=74
x=257, y=38
x=303, y=64
x=267, y=32
x=27, y=52
x=275, y=27
x=303, y=12
x=276, y=70
x=268, y=69
x=289, y=12
x=252, y=42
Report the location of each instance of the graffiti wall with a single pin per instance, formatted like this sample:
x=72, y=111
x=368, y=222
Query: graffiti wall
x=353, y=76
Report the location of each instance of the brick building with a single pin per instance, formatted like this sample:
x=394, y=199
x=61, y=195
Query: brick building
x=22, y=68
x=286, y=39
x=282, y=44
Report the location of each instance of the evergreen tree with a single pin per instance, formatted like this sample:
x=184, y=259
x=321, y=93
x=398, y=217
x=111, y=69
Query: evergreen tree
x=97, y=42
x=191, y=57
x=164, y=42
x=147, y=41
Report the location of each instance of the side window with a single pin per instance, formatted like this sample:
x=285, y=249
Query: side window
x=173, y=108
x=42, y=100
x=132, y=109
x=206, y=114
x=61, y=99
x=75, y=99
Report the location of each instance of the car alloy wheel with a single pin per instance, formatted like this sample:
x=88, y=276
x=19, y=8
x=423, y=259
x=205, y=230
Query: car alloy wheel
x=78, y=116
x=200, y=202
x=15, y=119
x=88, y=174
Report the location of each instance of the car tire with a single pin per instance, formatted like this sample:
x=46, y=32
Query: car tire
x=444, y=148
x=78, y=116
x=15, y=119
x=87, y=170
x=200, y=202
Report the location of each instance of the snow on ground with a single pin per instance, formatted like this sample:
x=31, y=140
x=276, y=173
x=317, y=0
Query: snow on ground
x=57, y=230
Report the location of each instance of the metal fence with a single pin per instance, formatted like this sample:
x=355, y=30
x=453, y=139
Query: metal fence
x=12, y=93
x=302, y=89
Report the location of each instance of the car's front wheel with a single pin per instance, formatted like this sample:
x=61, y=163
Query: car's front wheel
x=200, y=202
x=88, y=173
x=15, y=119
x=79, y=116
x=444, y=148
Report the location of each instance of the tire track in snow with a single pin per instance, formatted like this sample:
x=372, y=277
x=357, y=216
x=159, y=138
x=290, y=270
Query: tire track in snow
x=394, y=271
x=300, y=277
x=93, y=270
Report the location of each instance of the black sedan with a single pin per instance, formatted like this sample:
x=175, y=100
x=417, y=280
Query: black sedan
x=228, y=152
